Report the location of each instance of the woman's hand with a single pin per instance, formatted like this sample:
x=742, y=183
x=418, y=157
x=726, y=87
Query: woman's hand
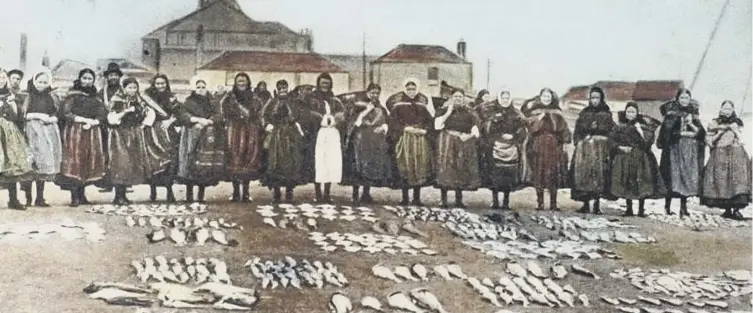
x=625, y=149
x=507, y=137
x=269, y=128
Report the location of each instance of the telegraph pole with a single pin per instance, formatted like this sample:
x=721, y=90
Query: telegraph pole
x=708, y=45
x=363, y=61
x=488, y=72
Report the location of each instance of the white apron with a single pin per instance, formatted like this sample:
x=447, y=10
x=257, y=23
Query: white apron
x=328, y=157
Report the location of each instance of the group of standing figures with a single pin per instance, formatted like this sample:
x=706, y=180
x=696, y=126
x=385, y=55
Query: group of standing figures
x=120, y=136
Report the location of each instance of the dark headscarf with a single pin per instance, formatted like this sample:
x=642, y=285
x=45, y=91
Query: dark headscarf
x=732, y=118
x=163, y=98
x=373, y=86
x=480, y=97
x=535, y=102
x=327, y=76
x=91, y=90
x=601, y=106
x=622, y=116
x=243, y=96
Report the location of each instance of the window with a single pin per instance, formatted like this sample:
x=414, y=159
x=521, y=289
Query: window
x=173, y=39
x=433, y=76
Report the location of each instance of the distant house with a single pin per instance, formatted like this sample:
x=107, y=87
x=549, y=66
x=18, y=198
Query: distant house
x=129, y=68
x=649, y=94
x=179, y=47
x=354, y=65
x=427, y=63
x=296, y=68
x=66, y=71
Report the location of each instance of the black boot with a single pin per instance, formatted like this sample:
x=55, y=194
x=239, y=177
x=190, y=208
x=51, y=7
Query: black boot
x=327, y=198
x=553, y=200
x=152, y=193
x=539, y=199
x=727, y=213
x=417, y=197
x=597, y=209
x=40, y=202
x=642, y=208
x=289, y=194
x=75, y=198
x=170, y=194
x=119, y=196
x=667, y=205
x=245, y=197
x=366, y=195
x=443, y=198
x=318, y=193
x=26, y=187
x=684, y=207
x=495, y=200
x=629, y=210
x=82, y=196
x=276, y=195
x=406, y=200
x=189, y=193
x=506, y=201
x=200, y=195
x=236, y=192
x=459, y=199
x=124, y=191
x=355, y=196
x=586, y=208
x=13, y=202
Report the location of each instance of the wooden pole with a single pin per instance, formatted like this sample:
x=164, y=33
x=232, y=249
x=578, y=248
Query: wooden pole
x=488, y=72
x=708, y=45
x=743, y=104
x=363, y=61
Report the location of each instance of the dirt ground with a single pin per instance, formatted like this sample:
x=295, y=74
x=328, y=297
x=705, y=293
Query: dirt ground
x=42, y=276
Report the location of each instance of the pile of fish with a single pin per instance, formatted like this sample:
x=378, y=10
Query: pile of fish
x=417, y=272
x=697, y=220
x=149, y=209
x=394, y=228
x=576, y=223
x=622, y=304
x=372, y=243
x=181, y=236
x=205, y=296
x=552, y=249
x=418, y=300
x=183, y=271
x=606, y=236
x=308, y=212
x=426, y=214
x=179, y=222
x=288, y=272
x=682, y=285
x=67, y=229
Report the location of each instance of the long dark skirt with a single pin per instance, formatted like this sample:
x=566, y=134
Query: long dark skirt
x=548, y=163
x=244, y=157
x=128, y=163
x=727, y=178
x=284, y=157
x=83, y=157
x=15, y=156
x=201, y=156
x=162, y=147
x=367, y=159
x=457, y=163
x=635, y=176
x=682, y=168
x=589, y=173
x=502, y=165
x=414, y=161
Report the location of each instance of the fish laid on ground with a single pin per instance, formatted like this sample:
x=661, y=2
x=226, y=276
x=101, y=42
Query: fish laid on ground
x=372, y=303
x=558, y=271
x=178, y=236
x=382, y=271
x=339, y=303
x=583, y=271
x=400, y=301
x=535, y=270
x=441, y=271
x=97, y=286
x=455, y=270
x=404, y=273
x=220, y=237
x=420, y=271
x=426, y=299
x=514, y=268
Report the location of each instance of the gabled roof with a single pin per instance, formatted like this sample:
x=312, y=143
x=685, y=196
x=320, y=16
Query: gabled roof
x=615, y=91
x=126, y=65
x=68, y=69
x=656, y=90
x=285, y=62
x=405, y=53
x=350, y=62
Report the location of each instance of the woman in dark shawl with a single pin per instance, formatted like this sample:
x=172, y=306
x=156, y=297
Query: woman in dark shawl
x=129, y=164
x=15, y=165
x=482, y=97
x=682, y=141
x=201, y=154
x=262, y=93
x=589, y=174
x=549, y=134
x=503, y=161
x=727, y=174
x=634, y=170
x=283, y=143
x=242, y=112
x=40, y=111
x=367, y=159
x=84, y=158
x=162, y=137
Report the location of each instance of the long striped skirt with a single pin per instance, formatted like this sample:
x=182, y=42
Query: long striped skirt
x=590, y=169
x=244, y=157
x=413, y=157
x=201, y=156
x=128, y=163
x=83, y=158
x=162, y=152
x=457, y=162
x=15, y=156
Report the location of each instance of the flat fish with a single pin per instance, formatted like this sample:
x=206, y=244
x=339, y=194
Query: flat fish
x=558, y=271
x=628, y=310
x=516, y=269
x=535, y=270
x=649, y=300
x=611, y=301
x=583, y=271
x=178, y=236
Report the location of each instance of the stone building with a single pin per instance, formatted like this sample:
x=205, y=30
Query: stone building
x=181, y=46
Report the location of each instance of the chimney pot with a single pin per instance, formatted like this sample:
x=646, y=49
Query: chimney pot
x=461, y=48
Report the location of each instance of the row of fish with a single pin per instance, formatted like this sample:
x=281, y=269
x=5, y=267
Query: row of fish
x=288, y=272
x=698, y=220
x=425, y=214
x=372, y=243
x=575, y=223
x=67, y=229
x=620, y=302
x=324, y=211
x=557, y=271
x=417, y=272
x=179, y=222
x=550, y=249
x=182, y=271
x=487, y=231
x=606, y=236
x=149, y=209
x=294, y=221
x=197, y=235
x=683, y=285
x=418, y=300
x=526, y=290
x=394, y=228
x=205, y=296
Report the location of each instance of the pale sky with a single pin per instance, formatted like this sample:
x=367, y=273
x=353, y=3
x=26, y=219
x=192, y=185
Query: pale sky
x=531, y=43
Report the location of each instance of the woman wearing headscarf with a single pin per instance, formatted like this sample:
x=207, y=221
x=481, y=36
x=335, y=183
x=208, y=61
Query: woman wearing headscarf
x=242, y=112
x=503, y=161
x=727, y=174
x=367, y=159
x=549, y=134
x=457, y=151
x=128, y=163
x=482, y=97
x=15, y=159
x=634, y=173
x=411, y=119
x=589, y=174
x=84, y=158
x=262, y=93
x=40, y=111
x=682, y=141
x=283, y=143
x=162, y=137
x=201, y=154
x=323, y=148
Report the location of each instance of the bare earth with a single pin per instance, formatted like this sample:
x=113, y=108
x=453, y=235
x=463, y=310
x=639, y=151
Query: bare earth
x=42, y=276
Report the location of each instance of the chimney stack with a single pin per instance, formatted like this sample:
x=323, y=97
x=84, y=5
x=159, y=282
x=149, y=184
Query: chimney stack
x=24, y=45
x=461, y=48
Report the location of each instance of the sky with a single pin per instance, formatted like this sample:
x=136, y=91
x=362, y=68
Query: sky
x=530, y=43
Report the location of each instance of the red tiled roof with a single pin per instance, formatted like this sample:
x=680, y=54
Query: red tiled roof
x=656, y=90
x=615, y=91
x=420, y=54
x=258, y=61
